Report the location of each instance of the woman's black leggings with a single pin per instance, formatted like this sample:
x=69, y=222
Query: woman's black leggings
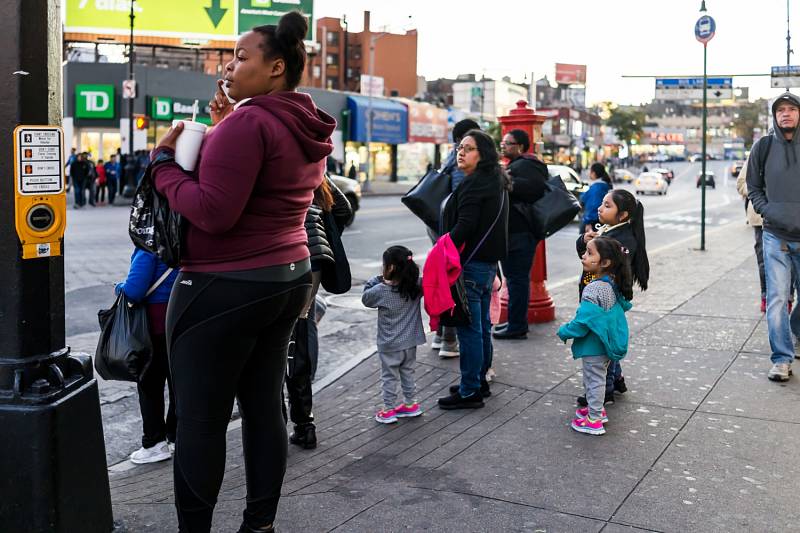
x=228, y=338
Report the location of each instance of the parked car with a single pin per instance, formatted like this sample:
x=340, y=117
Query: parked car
x=570, y=178
x=351, y=189
x=709, y=179
x=736, y=168
x=622, y=175
x=666, y=173
x=650, y=182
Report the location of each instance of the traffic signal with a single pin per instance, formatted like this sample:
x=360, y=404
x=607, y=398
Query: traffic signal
x=141, y=122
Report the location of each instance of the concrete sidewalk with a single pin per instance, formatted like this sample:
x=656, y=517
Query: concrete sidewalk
x=387, y=188
x=701, y=442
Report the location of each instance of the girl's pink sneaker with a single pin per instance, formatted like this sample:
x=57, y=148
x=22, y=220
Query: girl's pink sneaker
x=407, y=411
x=583, y=412
x=587, y=425
x=386, y=416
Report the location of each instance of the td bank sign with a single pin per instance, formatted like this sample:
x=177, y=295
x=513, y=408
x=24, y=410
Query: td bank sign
x=94, y=101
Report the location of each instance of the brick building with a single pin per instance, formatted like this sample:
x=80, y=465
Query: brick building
x=342, y=57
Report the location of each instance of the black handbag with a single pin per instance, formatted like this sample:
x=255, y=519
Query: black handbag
x=426, y=198
x=153, y=226
x=460, y=314
x=554, y=210
x=124, y=350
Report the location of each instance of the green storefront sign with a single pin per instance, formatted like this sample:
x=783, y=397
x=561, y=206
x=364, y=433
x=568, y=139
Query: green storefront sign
x=183, y=19
x=257, y=12
x=94, y=101
x=161, y=108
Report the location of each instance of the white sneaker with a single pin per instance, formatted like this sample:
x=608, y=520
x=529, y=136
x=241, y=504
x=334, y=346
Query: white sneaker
x=490, y=374
x=436, y=343
x=780, y=372
x=171, y=447
x=159, y=452
x=449, y=349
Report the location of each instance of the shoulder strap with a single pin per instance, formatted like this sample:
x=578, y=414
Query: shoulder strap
x=764, y=156
x=159, y=281
x=500, y=212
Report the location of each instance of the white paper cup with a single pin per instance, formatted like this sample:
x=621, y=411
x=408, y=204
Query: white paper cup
x=187, y=147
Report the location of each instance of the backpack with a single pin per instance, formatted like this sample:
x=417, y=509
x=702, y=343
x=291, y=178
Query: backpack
x=763, y=159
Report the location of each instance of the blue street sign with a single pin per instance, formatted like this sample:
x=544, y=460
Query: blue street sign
x=692, y=88
x=704, y=29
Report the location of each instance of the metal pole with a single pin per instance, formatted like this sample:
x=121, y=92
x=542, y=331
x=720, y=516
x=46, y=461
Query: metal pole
x=788, y=40
x=130, y=164
x=369, y=109
x=53, y=474
x=703, y=164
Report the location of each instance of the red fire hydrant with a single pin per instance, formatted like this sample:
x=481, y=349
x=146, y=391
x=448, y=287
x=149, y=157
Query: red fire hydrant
x=540, y=305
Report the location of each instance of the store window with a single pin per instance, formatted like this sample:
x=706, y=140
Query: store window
x=90, y=142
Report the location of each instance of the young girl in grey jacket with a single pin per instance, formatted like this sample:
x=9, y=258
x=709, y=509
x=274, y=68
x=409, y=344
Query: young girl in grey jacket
x=397, y=294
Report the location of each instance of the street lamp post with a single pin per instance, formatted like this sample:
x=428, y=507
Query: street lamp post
x=704, y=30
x=372, y=40
x=130, y=163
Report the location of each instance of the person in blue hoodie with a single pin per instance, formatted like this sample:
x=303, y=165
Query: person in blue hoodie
x=591, y=199
x=150, y=282
x=600, y=329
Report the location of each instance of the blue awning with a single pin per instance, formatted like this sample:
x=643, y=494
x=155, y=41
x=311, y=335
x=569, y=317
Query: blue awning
x=389, y=120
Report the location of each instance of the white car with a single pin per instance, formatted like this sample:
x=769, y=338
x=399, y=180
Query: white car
x=622, y=175
x=570, y=178
x=650, y=182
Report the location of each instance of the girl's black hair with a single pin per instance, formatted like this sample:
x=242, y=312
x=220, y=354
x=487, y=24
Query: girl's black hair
x=286, y=41
x=489, y=158
x=599, y=170
x=640, y=264
x=521, y=136
x=405, y=273
x=611, y=250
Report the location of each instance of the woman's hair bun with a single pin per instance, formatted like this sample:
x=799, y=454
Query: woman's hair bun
x=292, y=28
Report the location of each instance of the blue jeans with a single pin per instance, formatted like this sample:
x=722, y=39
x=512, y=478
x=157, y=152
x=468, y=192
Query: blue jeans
x=779, y=257
x=80, y=195
x=476, y=339
x=613, y=374
x=517, y=269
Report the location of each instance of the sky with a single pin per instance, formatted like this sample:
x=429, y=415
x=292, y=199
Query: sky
x=612, y=37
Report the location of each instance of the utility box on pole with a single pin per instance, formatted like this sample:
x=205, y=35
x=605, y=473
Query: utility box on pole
x=53, y=473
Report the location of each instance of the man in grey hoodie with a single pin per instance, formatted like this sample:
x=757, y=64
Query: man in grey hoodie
x=773, y=186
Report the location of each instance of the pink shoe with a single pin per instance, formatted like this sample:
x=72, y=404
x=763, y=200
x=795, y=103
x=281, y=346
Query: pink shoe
x=386, y=416
x=583, y=412
x=407, y=411
x=587, y=425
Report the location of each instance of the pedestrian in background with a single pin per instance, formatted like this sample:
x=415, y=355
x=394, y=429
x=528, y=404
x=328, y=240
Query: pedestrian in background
x=592, y=198
x=622, y=218
x=100, y=191
x=757, y=223
x=80, y=173
x=397, y=294
x=476, y=218
x=445, y=338
x=149, y=282
x=112, y=178
x=245, y=270
x=326, y=218
x=528, y=178
x=599, y=329
x=772, y=178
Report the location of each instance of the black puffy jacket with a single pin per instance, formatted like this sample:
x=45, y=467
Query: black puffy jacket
x=319, y=246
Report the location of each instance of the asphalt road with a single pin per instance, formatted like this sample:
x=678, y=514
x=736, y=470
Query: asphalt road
x=98, y=253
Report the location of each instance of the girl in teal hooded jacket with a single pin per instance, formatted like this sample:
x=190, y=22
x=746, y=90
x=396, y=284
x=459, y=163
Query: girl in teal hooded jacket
x=600, y=329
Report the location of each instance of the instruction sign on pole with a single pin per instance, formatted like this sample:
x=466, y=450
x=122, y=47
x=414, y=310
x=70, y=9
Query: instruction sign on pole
x=39, y=160
x=40, y=199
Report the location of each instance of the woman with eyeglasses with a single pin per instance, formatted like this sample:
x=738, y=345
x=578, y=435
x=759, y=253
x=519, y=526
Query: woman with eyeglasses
x=528, y=176
x=476, y=217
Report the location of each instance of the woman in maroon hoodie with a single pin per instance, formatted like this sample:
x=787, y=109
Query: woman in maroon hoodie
x=245, y=272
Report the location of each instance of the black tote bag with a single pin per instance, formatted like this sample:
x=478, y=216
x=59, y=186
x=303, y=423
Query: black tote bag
x=426, y=197
x=124, y=349
x=153, y=226
x=554, y=210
